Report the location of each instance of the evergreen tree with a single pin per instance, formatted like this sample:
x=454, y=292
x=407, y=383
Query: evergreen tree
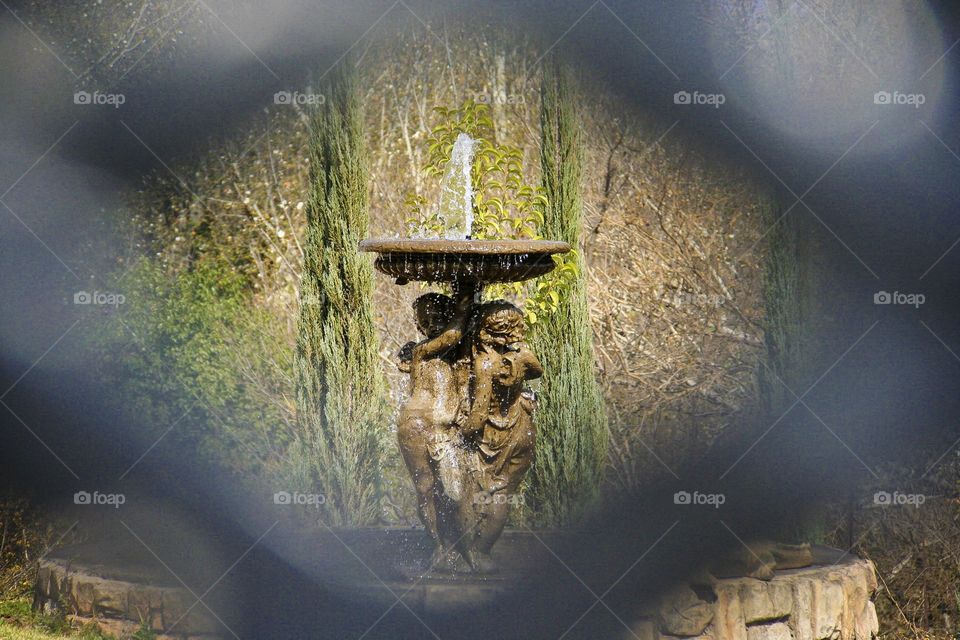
x=341, y=391
x=571, y=418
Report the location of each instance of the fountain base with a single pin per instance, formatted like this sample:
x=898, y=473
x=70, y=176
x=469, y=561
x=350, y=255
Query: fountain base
x=830, y=599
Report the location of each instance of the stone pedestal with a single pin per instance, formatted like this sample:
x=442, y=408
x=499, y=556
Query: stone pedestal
x=828, y=601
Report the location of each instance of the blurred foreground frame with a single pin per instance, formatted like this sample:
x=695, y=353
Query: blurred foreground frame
x=255, y=337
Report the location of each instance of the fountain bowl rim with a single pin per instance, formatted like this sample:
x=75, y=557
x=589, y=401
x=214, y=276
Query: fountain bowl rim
x=463, y=247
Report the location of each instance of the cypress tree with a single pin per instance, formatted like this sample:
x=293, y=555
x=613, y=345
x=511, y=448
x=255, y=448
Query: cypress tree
x=341, y=391
x=571, y=418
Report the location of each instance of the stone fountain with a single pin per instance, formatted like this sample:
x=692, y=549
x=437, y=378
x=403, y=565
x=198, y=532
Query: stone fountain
x=467, y=436
x=466, y=432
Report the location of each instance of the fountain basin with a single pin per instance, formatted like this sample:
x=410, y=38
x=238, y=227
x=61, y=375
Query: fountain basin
x=484, y=261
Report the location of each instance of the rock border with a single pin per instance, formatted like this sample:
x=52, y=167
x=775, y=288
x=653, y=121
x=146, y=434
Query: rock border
x=821, y=602
x=120, y=607
x=825, y=602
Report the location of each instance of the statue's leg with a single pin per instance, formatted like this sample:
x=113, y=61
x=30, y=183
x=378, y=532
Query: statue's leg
x=447, y=556
x=492, y=526
x=495, y=518
x=474, y=514
x=468, y=525
x=464, y=513
x=426, y=506
x=416, y=455
x=489, y=522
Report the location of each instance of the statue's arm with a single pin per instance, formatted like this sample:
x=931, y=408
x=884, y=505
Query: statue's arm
x=405, y=357
x=528, y=362
x=482, y=394
x=439, y=345
x=449, y=338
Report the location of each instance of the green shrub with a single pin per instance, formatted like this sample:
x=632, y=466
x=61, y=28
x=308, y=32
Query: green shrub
x=18, y=621
x=505, y=206
x=23, y=537
x=783, y=318
x=571, y=418
x=341, y=390
x=144, y=633
x=191, y=348
x=17, y=610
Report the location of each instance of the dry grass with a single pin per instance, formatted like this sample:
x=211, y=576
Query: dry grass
x=677, y=265
x=24, y=537
x=916, y=549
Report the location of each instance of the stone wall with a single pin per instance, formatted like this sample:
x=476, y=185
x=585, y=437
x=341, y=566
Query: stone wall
x=816, y=603
x=120, y=606
x=831, y=600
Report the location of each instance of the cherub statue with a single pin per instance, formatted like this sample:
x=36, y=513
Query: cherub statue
x=499, y=425
x=426, y=428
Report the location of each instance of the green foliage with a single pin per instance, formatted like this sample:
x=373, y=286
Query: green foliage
x=191, y=349
x=505, y=205
x=571, y=418
x=144, y=632
x=341, y=391
x=23, y=537
x=18, y=621
x=542, y=297
x=783, y=301
x=16, y=610
x=54, y=624
x=24, y=616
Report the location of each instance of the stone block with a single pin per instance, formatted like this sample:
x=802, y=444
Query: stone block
x=803, y=603
x=114, y=628
x=728, y=622
x=83, y=597
x=43, y=579
x=642, y=629
x=856, y=595
x=871, y=573
x=175, y=605
x=199, y=621
x=683, y=613
x=145, y=604
x=866, y=626
x=818, y=609
x=772, y=631
x=109, y=598
x=766, y=601
x=828, y=613
x=60, y=586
